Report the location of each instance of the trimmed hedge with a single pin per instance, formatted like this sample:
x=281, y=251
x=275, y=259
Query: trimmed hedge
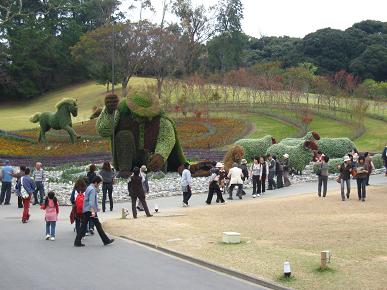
x=255, y=147
x=311, y=135
x=335, y=147
x=378, y=161
x=299, y=156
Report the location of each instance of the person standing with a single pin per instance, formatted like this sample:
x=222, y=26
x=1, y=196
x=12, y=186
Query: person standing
x=91, y=174
x=136, y=190
x=256, y=175
x=90, y=210
x=370, y=166
x=323, y=175
x=18, y=175
x=145, y=185
x=51, y=206
x=214, y=186
x=77, y=198
x=235, y=175
x=39, y=177
x=26, y=188
x=107, y=175
x=345, y=173
x=361, y=177
x=6, y=183
x=222, y=177
x=285, y=164
x=279, y=172
x=271, y=181
x=384, y=157
x=186, y=180
x=265, y=170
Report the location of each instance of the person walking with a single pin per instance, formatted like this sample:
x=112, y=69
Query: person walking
x=145, y=185
x=214, y=185
x=361, y=178
x=279, y=170
x=271, y=175
x=323, y=168
x=77, y=198
x=235, y=175
x=18, y=175
x=245, y=172
x=91, y=174
x=256, y=175
x=136, y=190
x=384, y=157
x=51, y=206
x=186, y=180
x=345, y=176
x=107, y=175
x=26, y=188
x=6, y=183
x=285, y=164
x=39, y=176
x=222, y=177
x=90, y=210
x=265, y=170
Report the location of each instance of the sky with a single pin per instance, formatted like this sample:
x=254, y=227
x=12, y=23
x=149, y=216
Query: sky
x=295, y=18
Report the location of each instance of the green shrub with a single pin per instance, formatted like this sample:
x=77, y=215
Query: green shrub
x=377, y=161
x=335, y=147
x=255, y=147
x=299, y=156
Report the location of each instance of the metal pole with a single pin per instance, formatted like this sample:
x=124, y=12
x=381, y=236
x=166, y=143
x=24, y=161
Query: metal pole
x=113, y=62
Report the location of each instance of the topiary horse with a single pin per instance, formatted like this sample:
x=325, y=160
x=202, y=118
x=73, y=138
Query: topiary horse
x=61, y=120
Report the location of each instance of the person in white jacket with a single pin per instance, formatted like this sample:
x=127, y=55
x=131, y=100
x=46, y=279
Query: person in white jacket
x=186, y=180
x=235, y=175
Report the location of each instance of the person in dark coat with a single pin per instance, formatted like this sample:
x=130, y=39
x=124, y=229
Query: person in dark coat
x=384, y=157
x=136, y=190
x=214, y=185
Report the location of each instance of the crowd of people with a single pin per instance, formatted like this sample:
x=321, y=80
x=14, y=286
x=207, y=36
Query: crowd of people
x=84, y=197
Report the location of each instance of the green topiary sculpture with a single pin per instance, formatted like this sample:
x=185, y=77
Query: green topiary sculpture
x=335, y=147
x=312, y=136
x=299, y=155
x=142, y=133
x=61, y=120
x=256, y=147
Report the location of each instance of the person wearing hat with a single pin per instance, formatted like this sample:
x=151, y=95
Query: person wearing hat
x=285, y=164
x=345, y=173
x=6, y=183
x=142, y=133
x=214, y=185
x=145, y=185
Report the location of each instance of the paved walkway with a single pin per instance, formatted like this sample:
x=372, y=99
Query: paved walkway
x=27, y=261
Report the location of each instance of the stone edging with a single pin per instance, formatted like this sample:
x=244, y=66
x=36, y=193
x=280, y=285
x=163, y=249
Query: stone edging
x=217, y=268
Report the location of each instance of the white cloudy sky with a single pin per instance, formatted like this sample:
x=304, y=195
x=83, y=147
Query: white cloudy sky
x=295, y=17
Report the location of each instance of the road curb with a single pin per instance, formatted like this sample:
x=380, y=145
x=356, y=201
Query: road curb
x=218, y=268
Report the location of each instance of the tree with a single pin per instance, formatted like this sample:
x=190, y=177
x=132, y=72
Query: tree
x=196, y=26
x=372, y=63
x=131, y=50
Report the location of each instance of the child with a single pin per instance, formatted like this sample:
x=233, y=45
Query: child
x=52, y=210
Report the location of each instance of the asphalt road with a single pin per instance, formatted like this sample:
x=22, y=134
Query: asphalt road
x=27, y=261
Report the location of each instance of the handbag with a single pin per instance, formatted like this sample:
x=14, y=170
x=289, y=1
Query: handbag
x=338, y=178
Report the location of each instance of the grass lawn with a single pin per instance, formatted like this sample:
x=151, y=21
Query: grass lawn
x=16, y=116
x=296, y=228
x=375, y=138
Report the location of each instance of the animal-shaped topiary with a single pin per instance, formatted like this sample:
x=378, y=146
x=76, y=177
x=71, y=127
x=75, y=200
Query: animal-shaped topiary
x=234, y=155
x=299, y=155
x=335, y=147
x=311, y=135
x=143, y=134
x=256, y=147
x=61, y=120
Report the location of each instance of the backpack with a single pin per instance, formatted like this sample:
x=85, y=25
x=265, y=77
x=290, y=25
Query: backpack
x=79, y=203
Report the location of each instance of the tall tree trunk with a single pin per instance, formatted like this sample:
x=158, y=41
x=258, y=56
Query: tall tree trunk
x=124, y=90
x=159, y=86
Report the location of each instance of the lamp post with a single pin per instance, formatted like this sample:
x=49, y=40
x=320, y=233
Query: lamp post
x=113, y=80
